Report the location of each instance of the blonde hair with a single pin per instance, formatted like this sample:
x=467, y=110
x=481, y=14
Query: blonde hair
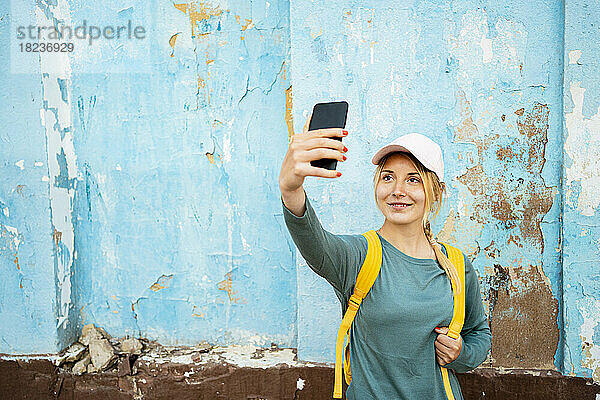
x=434, y=197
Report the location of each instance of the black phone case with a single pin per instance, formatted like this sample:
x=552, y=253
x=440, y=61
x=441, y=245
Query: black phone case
x=328, y=115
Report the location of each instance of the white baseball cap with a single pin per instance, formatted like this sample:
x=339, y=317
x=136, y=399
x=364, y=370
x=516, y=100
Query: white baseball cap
x=424, y=149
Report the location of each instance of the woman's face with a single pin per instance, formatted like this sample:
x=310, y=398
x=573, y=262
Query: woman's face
x=400, y=192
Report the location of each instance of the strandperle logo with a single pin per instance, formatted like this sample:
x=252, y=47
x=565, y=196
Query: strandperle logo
x=90, y=33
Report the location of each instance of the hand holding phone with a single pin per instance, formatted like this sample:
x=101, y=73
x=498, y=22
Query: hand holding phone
x=328, y=115
x=319, y=146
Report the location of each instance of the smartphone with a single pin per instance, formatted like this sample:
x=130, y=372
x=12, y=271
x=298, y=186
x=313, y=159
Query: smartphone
x=328, y=115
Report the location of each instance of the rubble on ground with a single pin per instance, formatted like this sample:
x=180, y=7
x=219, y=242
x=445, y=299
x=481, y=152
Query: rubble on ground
x=97, y=351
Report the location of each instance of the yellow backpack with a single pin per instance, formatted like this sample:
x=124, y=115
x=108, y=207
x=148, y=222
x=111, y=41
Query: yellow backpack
x=366, y=277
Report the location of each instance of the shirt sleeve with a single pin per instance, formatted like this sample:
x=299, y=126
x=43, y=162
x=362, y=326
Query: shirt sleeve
x=336, y=258
x=476, y=334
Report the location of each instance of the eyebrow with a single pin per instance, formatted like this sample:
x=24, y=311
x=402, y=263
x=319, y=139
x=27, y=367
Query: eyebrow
x=410, y=173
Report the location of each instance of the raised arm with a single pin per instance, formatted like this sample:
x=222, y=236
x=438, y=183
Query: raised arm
x=327, y=254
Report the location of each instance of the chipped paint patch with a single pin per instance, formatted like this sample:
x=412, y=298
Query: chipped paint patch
x=211, y=158
x=197, y=12
x=10, y=239
x=516, y=206
x=172, y=43
x=161, y=283
x=57, y=121
x=242, y=356
x=574, y=56
x=590, y=351
x=226, y=285
x=583, y=132
x=502, y=189
x=523, y=319
x=289, y=120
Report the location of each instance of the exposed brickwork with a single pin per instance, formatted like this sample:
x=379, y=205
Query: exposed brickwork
x=39, y=379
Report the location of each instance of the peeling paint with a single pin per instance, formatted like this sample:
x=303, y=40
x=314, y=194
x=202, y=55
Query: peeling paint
x=227, y=286
x=574, y=56
x=172, y=43
x=247, y=24
x=590, y=350
x=211, y=158
x=585, y=167
x=518, y=206
x=57, y=121
x=197, y=12
x=10, y=239
x=524, y=309
x=504, y=196
x=161, y=283
x=289, y=120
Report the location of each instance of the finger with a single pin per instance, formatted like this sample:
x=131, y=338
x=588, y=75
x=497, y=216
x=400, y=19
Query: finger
x=319, y=153
x=307, y=124
x=443, y=355
x=454, y=344
x=321, y=172
x=443, y=330
x=447, y=354
x=447, y=347
x=314, y=143
x=441, y=360
x=328, y=132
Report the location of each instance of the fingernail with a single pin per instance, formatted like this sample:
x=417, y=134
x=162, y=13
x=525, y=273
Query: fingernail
x=339, y=174
x=345, y=149
x=345, y=133
x=344, y=157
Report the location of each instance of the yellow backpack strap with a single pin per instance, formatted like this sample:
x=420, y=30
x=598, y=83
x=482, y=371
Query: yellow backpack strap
x=366, y=277
x=458, y=315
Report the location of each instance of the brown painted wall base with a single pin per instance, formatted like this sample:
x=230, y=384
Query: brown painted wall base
x=40, y=379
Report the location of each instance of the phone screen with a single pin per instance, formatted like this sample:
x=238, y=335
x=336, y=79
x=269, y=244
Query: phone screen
x=328, y=115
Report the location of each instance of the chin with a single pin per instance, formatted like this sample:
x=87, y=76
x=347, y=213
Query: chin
x=401, y=221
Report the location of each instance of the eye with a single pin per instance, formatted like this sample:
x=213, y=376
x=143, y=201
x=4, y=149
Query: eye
x=414, y=179
x=385, y=178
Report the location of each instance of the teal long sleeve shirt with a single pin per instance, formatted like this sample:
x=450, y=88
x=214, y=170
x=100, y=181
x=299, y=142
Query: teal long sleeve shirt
x=392, y=352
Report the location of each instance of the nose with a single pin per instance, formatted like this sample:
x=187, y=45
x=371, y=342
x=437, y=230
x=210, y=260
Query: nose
x=399, y=189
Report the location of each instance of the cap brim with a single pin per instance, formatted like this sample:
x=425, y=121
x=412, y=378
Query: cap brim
x=385, y=150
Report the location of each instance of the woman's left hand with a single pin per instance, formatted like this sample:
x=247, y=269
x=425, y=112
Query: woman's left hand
x=446, y=348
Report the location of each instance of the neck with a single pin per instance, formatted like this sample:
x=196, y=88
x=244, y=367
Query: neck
x=409, y=239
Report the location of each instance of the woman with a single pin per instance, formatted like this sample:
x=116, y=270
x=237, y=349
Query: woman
x=398, y=338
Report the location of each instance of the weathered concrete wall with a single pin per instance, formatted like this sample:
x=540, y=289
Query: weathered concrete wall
x=581, y=176
x=27, y=284
x=143, y=197
x=178, y=199
x=157, y=202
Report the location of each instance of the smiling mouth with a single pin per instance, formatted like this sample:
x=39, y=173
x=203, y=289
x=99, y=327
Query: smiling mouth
x=399, y=206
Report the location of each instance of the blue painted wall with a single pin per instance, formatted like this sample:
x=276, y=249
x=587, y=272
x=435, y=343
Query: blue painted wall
x=581, y=220
x=139, y=187
x=27, y=284
x=169, y=176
